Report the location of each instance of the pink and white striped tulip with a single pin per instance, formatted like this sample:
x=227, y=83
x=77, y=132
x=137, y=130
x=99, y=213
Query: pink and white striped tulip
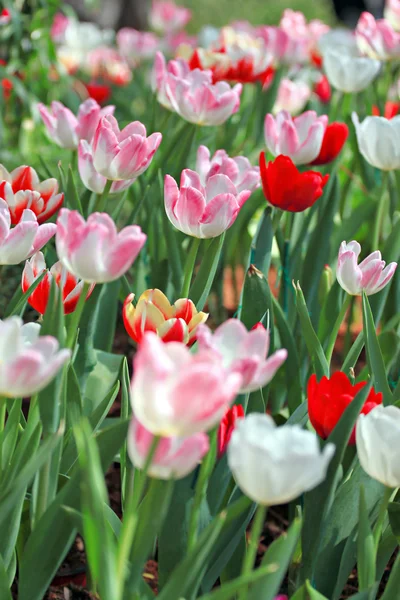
x=299, y=138
x=26, y=238
x=377, y=38
x=65, y=129
x=175, y=457
x=136, y=46
x=392, y=13
x=91, y=178
x=124, y=154
x=93, y=250
x=202, y=211
x=238, y=169
x=161, y=69
x=243, y=352
x=166, y=17
x=27, y=362
x=177, y=393
x=292, y=96
x=370, y=276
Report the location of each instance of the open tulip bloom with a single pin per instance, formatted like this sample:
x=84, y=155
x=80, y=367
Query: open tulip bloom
x=370, y=276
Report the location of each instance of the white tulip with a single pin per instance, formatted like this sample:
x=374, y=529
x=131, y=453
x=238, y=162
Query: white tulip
x=378, y=444
x=347, y=71
x=274, y=465
x=378, y=141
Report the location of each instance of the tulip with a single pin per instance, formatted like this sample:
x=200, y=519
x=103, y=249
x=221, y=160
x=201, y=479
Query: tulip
x=292, y=96
x=136, y=46
x=202, y=211
x=58, y=28
x=243, y=352
x=174, y=458
x=328, y=399
x=378, y=141
x=91, y=179
x=161, y=70
x=347, y=71
x=391, y=109
x=377, y=39
x=5, y=17
x=70, y=286
x=177, y=393
x=392, y=13
x=166, y=17
x=27, y=362
x=123, y=154
x=322, y=89
x=108, y=64
x=226, y=427
x=238, y=169
x=21, y=189
x=299, y=138
x=335, y=137
x=274, y=465
x=370, y=276
x=98, y=91
x=93, y=250
x=288, y=189
x=378, y=449
x=153, y=312
x=65, y=129
x=26, y=238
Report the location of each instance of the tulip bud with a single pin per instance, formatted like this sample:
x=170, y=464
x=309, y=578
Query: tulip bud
x=325, y=284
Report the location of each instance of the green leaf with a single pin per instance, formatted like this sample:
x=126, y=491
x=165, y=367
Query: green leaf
x=5, y=593
x=307, y=592
x=101, y=380
x=19, y=299
x=261, y=248
x=9, y=436
x=365, y=547
x=125, y=412
x=201, y=286
x=106, y=316
x=393, y=585
x=256, y=299
x=174, y=254
x=353, y=355
x=394, y=518
x=72, y=199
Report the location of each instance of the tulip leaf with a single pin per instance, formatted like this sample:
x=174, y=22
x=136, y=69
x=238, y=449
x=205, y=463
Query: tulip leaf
x=307, y=592
x=260, y=255
x=394, y=518
x=353, y=355
x=5, y=592
x=16, y=304
x=256, y=300
x=72, y=199
x=106, y=316
x=365, y=547
x=393, y=585
x=387, y=547
x=201, y=286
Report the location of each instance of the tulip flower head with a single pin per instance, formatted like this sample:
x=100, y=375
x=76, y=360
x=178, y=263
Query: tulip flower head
x=328, y=399
x=347, y=70
x=377, y=139
x=27, y=362
x=180, y=68
x=274, y=465
x=334, y=139
x=322, y=89
x=292, y=96
x=5, y=17
x=392, y=13
x=226, y=427
x=177, y=393
x=107, y=64
x=243, y=352
x=391, y=109
x=286, y=187
x=166, y=16
x=238, y=169
x=370, y=276
x=92, y=179
x=136, y=46
x=93, y=250
x=377, y=38
x=153, y=312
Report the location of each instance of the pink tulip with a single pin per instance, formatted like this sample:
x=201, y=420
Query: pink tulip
x=91, y=179
x=26, y=238
x=136, y=46
x=173, y=42
x=177, y=393
x=27, y=362
x=292, y=96
x=161, y=69
x=93, y=250
x=5, y=17
x=59, y=27
x=299, y=138
x=242, y=352
x=107, y=63
x=65, y=129
x=370, y=276
x=174, y=458
x=238, y=169
x=202, y=211
x=392, y=13
x=303, y=36
x=166, y=17
x=377, y=38
x=123, y=154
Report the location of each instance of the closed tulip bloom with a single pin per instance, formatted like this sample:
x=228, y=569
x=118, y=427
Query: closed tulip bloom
x=286, y=187
x=65, y=129
x=392, y=13
x=370, y=276
x=177, y=393
x=322, y=89
x=378, y=141
x=329, y=398
x=299, y=138
x=347, y=71
x=91, y=178
x=202, y=211
x=123, y=154
x=179, y=68
x=136, y=46
x=243, y=352
x=239, y=170
x=70, y=286
x=391, y=109
x=153, y=312
x=292, y=96
x=22, y=189
x=274, y=465
x=334, y=139
x=377, y=38
x=174, y=458
x=27, y=362
x=93, y=250
x=226, y=427
x=23, y=240
x=378, y=447
x=166, y=17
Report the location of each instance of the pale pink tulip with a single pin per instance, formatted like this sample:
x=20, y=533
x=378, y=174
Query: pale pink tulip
x=244, y=352
x=93, y=250
x=27, y=362
x=166, y=17
x=161, y=69
x=292, y=96
x=202, y=211
x=238, y=169
x=177, y=393
x=174, y=458
x=26, y=238
x=65, y=129
x=392, y=13
x=277, y=42
x=136, y=46
x=370, y=276
x=91, y=179
x=59, y=27
x=377, y=38
x=174, y=43
x=124, y=154
x=300, y=138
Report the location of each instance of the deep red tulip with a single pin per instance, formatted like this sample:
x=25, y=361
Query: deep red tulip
x=334, y=139
x=98, y=91
x=227, y=426
x=288, y=189
x=323, y=89
x=328, y=399
x=391, y=110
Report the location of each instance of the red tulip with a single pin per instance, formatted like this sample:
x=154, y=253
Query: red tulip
x=227, y=426
x=286, y=187
x=328, y=399
x=323, y=89
x=98, y=91
x=391, y=110
x=334, y=139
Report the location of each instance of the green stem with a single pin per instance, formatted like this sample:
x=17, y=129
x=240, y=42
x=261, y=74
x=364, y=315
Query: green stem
x=189, y=267
x=76, y=316
x=3, y=407
x=250, y=556
x=336, y=327
x=102, y=198
x=381, y=516
x=380, y=213
x=43, y=490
